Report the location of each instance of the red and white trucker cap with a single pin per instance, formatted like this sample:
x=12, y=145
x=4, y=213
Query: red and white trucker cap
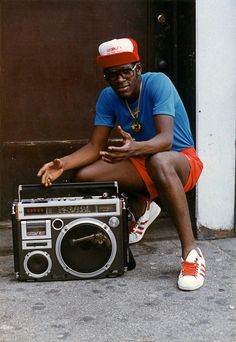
x=117, y=52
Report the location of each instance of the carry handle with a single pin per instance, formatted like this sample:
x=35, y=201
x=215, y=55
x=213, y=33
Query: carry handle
x=107, y=185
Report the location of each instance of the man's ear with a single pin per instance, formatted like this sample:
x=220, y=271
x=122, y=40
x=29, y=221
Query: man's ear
x=139, y=69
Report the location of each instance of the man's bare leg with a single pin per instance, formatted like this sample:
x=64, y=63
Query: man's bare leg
x=130, y=182
x=169, y=171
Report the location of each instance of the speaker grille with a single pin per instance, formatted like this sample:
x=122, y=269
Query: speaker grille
x=86, y=247
x=37, y=264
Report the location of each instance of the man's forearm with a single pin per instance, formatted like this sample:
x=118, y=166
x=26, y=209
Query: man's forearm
x=160, y=143
x=82, y=157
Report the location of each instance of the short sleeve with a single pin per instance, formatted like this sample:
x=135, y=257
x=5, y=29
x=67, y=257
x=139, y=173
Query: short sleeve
x=105, y=115
x=162, y=91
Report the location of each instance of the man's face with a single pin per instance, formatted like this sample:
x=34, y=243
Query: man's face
x=124, y=79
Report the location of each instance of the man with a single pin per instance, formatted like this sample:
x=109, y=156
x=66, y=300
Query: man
x=157, y=157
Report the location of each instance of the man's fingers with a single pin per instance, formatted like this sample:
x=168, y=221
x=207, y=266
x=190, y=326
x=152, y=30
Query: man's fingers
x=125, y=135
x=107, y=160
x=118, y=152
x=45, y=178
x=104, y=154
x=115, y=148
x=112, y=157
x=57, y=163
x=44, y=168
x=40, y=172
x=49, y=182
x=105, y=157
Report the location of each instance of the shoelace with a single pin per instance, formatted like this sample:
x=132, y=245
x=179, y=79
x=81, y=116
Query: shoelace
x=189, y=268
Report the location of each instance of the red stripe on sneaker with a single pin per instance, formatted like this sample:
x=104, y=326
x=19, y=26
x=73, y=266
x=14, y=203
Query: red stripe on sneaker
x=202, y=271
x=143, y=222
x=139, y=232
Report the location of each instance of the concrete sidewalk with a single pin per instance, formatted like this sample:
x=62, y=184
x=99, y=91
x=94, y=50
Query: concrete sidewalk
x=144, y=305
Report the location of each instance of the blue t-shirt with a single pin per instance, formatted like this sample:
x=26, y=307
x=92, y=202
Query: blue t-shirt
x=158, y=96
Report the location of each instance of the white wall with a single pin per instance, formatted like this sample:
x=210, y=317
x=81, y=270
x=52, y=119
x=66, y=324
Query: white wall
x=216, y=112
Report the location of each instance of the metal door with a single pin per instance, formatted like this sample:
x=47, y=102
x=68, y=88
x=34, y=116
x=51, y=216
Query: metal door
x=172, y=47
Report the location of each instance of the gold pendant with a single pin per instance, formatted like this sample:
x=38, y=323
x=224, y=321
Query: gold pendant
x=136, y=126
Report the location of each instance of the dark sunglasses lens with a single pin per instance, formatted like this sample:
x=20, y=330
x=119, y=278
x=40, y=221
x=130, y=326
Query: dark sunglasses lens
x=126, y=72
x=113, y=75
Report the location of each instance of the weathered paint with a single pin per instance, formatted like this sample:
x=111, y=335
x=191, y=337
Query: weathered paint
x=216, y=108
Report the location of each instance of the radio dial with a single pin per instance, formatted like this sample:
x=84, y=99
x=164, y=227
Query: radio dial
x=114, y=222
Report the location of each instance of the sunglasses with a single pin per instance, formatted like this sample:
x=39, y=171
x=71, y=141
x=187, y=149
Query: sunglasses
x=112, y=75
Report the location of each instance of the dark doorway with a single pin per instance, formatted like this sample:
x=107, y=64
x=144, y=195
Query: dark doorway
x=172, y=47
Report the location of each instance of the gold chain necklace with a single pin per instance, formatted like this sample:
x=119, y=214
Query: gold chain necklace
x=136, y=125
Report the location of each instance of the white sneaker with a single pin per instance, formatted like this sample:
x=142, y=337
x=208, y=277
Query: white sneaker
x=150, y=214
x=193, y=270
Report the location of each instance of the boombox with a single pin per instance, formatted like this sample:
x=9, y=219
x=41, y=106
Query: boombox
x=70, y=231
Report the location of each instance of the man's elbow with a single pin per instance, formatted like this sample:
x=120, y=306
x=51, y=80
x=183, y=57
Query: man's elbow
x=168, y=144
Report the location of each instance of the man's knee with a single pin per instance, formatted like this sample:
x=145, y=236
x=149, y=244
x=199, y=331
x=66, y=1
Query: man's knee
x=159, y=165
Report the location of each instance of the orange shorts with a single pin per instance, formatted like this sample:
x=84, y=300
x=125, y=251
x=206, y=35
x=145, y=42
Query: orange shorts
x=195, y=163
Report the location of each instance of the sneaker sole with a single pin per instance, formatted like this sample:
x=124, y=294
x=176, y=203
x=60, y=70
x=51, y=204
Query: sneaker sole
x=190, y=288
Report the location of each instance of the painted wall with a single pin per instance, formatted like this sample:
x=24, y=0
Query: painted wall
x=216, y=112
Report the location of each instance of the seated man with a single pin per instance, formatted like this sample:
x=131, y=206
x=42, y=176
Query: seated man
x=157, y=157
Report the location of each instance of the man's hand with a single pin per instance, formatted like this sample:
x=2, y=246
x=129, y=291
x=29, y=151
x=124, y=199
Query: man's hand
x=51, y=171
x=116, y=154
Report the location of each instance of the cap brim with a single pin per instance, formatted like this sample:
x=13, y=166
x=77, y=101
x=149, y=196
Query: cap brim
x=116, y=59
